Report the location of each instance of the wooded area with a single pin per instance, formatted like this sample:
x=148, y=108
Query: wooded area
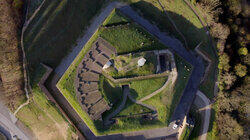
x=229, y=25
x=10, y=59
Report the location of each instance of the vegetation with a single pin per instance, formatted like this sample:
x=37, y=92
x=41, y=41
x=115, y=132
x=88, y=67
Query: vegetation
x=66, y=85
x=10, y=66
x=231, y=119
x=166, y=101
x=140, y=89
x=56, y=28
x=43, y=117
x=133, y=109
x=127, y=65
x=186, y=133
x=129, y=37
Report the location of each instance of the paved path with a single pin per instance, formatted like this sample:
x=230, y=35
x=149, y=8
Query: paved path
x=8, y=124
x=203, y=104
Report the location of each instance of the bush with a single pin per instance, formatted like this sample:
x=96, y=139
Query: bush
x=243, y=51
x=241, y=70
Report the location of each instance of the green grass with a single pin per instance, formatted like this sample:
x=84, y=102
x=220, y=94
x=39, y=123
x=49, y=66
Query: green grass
x=56, y=29
x=122, y=40
x=128, y=38
x=129, y=66
x=115, y=18
x=140, y=89
x=40, y=115
x=166, y=101
x=131, y=108
x=111, y=93
x=33, y=5
x=186, y=132
x=197, y=126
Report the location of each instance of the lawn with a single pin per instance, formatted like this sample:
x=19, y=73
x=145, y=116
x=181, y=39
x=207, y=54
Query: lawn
x=56, y=28
x=132, y=109
x=166, y=101
x=123, y=38
x=140, y=89
x=43, y=117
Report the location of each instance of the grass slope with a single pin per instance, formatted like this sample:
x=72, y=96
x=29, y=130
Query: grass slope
x=140, y=89
x=43, y=117
x=56, y=28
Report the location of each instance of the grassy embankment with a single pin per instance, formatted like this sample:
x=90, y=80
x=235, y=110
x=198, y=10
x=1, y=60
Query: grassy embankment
x=188, y=24
x=120, y=40
x=43, y=117
x=48, y=38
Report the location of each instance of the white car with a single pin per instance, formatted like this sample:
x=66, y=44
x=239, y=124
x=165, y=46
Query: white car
x=176, y=124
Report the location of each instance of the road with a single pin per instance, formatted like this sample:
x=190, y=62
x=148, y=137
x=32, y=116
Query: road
x=8, y=124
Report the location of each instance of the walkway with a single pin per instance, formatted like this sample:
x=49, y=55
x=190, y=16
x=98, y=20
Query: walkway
x=203, y=104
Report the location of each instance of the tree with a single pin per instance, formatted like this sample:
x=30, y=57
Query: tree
x=243, y=51
x=220, y=31
x=223, y=62
x=228, y=79
x=234, y=6
x=241, y=70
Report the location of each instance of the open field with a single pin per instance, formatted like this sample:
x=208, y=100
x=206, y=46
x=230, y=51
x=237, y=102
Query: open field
x=44, y=118
x=66, y=83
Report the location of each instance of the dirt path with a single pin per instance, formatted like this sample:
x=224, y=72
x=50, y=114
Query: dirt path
x=203, y=104
x=27, y=87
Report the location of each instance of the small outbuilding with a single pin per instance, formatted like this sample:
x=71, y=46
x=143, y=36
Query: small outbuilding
x=141, y=62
